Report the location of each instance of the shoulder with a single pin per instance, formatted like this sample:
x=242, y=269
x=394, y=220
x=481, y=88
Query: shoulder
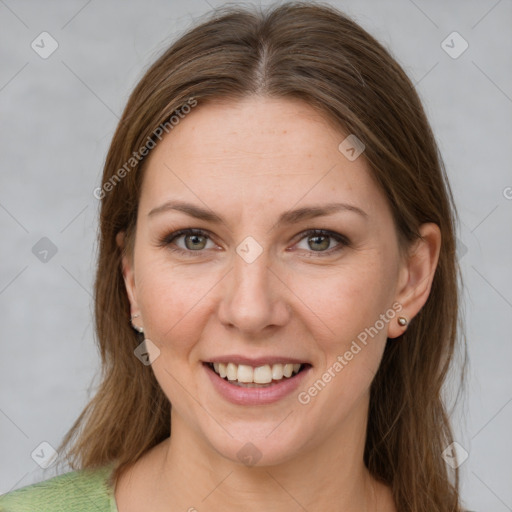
x=84, y=490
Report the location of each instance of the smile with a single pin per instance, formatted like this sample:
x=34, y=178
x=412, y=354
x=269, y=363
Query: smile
x=244, y=384
x=244, y=374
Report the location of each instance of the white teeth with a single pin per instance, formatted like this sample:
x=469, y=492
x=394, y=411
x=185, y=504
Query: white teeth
x=288, y=370
x=245, y=374
x=231, y=371
x=277, y=371
x=222, y=370
x=262, y=374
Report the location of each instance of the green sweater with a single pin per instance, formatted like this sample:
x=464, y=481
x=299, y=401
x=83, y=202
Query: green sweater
x=77, y=491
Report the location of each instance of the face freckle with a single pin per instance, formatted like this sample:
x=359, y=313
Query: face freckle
x=289, y=301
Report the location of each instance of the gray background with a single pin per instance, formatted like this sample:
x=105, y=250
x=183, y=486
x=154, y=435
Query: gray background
x=58, y=116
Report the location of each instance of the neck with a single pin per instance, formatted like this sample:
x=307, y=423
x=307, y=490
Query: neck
x=192, y=475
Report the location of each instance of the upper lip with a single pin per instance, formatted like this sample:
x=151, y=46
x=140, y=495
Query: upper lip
x=256, y=361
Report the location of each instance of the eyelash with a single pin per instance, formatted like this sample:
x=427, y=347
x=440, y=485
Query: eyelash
x=342, y=240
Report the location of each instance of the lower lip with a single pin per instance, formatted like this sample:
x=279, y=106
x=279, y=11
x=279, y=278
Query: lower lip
x=255, y=396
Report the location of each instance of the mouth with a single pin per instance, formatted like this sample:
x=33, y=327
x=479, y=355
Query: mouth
x=262, y=376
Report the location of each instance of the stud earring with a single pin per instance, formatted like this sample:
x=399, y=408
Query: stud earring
x=136, y=327
x=402, y=321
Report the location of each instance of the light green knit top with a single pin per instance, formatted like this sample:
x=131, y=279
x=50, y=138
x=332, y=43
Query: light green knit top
x=77, y=491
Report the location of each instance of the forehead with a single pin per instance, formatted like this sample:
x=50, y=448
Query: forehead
x=256, y=150
x=269, y=132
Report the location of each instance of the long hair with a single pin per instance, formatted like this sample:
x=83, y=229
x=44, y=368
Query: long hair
x=314, y=53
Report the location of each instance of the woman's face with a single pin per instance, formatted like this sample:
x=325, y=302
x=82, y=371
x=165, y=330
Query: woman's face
x=251, y=287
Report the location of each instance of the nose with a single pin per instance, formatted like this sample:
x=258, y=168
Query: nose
x=254, y=298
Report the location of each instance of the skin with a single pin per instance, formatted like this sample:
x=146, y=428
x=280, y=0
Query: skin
x=249, y=161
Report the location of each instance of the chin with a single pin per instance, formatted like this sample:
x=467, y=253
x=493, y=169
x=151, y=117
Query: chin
x=252, y=446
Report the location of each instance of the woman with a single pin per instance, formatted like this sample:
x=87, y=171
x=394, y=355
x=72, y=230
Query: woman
x=276, y=293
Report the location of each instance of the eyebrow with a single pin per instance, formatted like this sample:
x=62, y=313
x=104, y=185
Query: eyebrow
x=288, y=217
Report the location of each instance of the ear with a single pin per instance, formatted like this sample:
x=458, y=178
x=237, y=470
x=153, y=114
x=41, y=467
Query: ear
x=416, y=275
x=128, y=273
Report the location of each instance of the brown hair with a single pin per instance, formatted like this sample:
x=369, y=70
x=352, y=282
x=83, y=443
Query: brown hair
x=312, y=52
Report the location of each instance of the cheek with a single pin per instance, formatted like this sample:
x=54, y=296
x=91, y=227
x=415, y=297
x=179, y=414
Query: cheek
x=172, y=303
x=347, y=300
x=172, y=300
x=354, y=305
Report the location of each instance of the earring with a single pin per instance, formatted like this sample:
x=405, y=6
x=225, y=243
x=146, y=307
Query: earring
x=136, y=327
x=402, y=321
